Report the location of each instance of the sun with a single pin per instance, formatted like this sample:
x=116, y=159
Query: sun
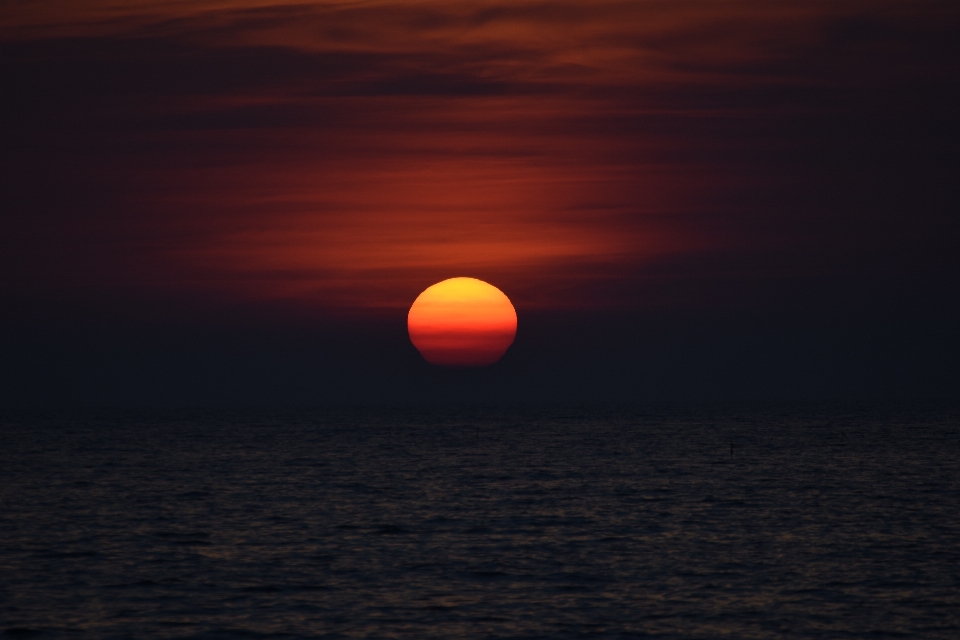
x=462, y=322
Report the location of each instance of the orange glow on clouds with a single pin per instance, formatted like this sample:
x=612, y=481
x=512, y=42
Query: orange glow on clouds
x=335, y=155
x=462, y=322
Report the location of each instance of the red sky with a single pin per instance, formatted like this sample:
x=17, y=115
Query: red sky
x=338, y=157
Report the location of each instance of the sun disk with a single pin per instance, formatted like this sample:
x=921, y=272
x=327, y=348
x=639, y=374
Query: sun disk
x=462, y=322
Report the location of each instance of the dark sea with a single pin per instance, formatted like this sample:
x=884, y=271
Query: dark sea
x=776, y=522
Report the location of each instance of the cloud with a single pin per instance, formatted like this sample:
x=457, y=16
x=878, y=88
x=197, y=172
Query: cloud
x=347, y=154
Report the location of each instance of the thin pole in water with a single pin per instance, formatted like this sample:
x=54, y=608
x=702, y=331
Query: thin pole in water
x=731, y=447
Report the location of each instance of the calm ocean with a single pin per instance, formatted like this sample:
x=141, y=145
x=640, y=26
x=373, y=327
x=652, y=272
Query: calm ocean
x=815, y=522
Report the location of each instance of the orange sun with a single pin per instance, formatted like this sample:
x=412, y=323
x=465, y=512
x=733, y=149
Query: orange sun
x=462, y=322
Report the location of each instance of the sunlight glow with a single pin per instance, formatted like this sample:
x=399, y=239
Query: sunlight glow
x=462, y=322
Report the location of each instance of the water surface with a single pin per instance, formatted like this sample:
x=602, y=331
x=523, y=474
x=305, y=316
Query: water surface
x=824, y=522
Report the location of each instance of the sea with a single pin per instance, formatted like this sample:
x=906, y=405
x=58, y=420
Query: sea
x=812, y=521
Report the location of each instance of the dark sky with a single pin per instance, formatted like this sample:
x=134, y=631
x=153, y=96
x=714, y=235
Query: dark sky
x=235, y=202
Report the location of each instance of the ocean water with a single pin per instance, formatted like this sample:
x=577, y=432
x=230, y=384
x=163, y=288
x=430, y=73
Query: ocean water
x=815, y=522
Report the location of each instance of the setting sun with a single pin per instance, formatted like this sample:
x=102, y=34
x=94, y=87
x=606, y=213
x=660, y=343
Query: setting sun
x=462, y=322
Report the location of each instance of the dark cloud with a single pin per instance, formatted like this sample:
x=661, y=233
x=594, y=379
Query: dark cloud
x=754, y=175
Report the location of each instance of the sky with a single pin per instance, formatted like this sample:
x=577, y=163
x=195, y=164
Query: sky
x=236, y=202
